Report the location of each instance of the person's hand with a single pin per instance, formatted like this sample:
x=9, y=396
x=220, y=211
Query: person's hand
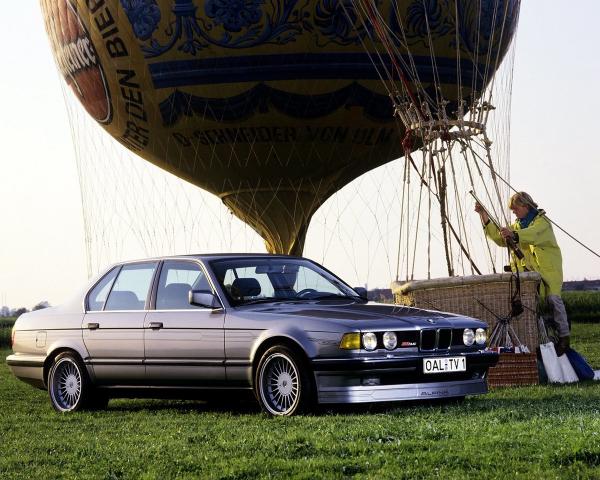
x=506, y=233
x=484, y=216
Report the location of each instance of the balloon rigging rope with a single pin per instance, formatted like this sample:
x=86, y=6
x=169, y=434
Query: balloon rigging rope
x=482, y=115
x=410, y=69
x=378, y=65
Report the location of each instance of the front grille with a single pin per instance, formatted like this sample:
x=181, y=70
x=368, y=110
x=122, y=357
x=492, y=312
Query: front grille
x=457, y=337
x=436, y=339
x=427, y=340
x=444, y=338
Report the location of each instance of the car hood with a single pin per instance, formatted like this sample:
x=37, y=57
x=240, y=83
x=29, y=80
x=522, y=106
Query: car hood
x=359, y=315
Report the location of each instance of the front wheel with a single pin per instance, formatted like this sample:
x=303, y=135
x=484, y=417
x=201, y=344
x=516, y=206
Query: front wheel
x=68, y=385
x=283, y=385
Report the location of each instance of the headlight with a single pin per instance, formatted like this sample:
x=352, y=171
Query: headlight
x=480, y=336
x=468, y=337
x=390, y=341
x=350, y=341
x=370, y=341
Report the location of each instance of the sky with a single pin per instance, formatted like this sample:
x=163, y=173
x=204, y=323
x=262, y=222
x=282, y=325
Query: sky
x=554, y=146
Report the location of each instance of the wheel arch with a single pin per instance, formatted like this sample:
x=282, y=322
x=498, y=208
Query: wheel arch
x=52, y=354
x=278, y=340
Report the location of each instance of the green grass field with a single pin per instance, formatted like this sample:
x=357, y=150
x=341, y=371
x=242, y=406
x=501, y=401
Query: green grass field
x=532, y=432
x=582, y=306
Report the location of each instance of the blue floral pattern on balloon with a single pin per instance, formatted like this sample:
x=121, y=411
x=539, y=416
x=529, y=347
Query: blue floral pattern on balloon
x=477, y=32
x=231, y=24
x=143, y=15
x=425, y=18
x=234, y=14
x=339, y=22
x=481, y=26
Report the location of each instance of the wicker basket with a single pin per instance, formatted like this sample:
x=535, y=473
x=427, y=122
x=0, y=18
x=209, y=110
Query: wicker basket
x=477, y=296
x=514, y=369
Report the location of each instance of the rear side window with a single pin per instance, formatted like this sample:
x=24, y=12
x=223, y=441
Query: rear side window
x=131, y=287
x=97, y=296
x=177, y=278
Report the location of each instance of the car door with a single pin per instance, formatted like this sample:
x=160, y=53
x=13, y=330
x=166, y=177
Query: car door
x=184, y=343
x=113, y=326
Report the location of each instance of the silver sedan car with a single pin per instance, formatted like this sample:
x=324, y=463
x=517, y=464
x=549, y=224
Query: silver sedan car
x=284, y=327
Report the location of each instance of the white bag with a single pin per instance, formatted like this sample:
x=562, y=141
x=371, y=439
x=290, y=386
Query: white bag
x=552, y=364
x=569, y=375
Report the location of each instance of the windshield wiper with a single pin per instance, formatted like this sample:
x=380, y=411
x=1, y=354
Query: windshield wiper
x=265, y=300
x=331, y=296
x=337, y=297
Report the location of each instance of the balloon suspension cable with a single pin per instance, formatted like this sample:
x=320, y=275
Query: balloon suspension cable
x=447, y=131
x=423, y=108
x=384, y=38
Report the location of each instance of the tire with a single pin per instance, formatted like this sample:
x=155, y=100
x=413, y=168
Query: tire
x=282, y=383
x=69, y=387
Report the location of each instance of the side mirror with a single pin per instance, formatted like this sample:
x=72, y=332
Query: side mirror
x=204, y=298
x=362, y=292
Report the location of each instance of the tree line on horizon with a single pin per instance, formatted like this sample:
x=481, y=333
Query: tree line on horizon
x=17, y=312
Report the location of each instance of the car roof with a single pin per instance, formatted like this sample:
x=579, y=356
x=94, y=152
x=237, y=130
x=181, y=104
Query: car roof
x=211, y=256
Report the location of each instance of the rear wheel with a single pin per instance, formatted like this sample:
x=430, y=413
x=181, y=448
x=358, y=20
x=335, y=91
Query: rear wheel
x=282, y=383
x=69, y=386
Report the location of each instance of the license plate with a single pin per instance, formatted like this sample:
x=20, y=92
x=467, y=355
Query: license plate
x=443, y=365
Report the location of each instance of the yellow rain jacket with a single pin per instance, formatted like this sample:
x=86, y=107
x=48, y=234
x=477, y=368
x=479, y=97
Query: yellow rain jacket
x=540, y=250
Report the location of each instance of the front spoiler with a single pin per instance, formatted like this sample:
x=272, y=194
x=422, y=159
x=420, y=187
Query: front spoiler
x=391, y=393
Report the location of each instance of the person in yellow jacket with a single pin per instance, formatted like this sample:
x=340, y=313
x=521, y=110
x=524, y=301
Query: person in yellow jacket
x=533, y=233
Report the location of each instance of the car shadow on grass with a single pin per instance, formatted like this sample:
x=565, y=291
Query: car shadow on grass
x=249, y=406
x=239, y=406
x=520, y=401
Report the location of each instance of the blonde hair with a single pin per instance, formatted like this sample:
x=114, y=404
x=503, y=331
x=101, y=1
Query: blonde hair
x=522, y=199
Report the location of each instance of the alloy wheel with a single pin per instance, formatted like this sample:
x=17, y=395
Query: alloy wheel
x=66, y=384
x=279, y=384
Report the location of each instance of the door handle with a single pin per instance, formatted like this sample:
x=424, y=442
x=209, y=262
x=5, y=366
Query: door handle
x=93, y=326
x=156, y=325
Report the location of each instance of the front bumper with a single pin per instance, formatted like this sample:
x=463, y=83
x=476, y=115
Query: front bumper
x=411, y=391
x=376, y=379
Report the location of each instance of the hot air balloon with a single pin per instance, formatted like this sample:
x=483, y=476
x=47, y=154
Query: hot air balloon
x=273, y=106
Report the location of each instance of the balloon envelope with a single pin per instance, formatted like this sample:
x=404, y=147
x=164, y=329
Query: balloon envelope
x=272, y=106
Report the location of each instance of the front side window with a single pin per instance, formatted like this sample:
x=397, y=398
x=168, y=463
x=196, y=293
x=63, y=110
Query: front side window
x=252, y=280
x=97, y=297
x=177, y=278
x=131, y=287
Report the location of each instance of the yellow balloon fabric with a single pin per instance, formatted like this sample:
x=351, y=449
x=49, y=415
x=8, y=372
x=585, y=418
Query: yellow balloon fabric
x=272, y=106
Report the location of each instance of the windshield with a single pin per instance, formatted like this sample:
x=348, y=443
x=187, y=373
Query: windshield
x=260, y=279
